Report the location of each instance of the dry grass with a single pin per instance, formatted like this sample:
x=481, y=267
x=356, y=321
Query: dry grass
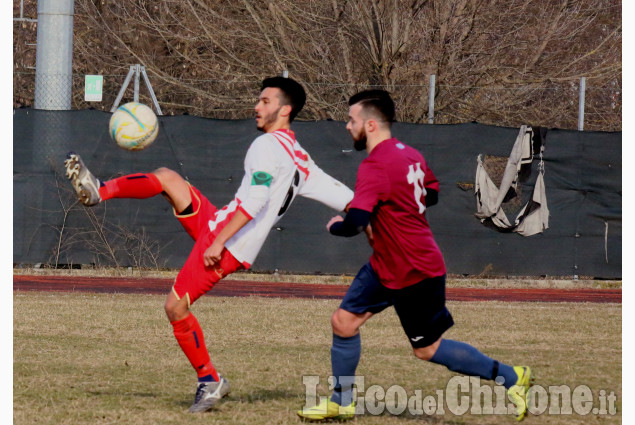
x=103, y=359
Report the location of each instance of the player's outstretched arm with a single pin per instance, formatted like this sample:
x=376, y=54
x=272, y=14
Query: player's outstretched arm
x=323, y=188
x=355, y=222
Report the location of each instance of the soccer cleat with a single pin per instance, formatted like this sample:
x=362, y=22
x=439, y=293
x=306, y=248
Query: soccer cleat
x=85, y=184
x=208, y=393
x=518, y=392
x=328, y=409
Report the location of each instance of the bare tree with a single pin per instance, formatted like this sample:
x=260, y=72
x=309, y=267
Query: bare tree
x=503, y=62
x=108, y=242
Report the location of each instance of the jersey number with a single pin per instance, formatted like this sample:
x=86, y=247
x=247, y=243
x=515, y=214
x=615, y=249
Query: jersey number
x=290, y=193
x=415, y=177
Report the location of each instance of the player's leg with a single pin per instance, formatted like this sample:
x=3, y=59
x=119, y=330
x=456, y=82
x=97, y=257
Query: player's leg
x=193, y=281
x=189, y=335
x=188, y=287
x=424, y=317
x=211, y=386
x=467, y=360
x=365, y=297
x=345, y=352
x=175, y=189
x=91, y=190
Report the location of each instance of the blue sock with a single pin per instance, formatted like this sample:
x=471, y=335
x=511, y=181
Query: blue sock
x=206, y=378
x=463, y=358
x=345, y=354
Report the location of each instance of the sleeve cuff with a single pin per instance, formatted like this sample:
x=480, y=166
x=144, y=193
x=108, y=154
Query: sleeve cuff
x=241, y=209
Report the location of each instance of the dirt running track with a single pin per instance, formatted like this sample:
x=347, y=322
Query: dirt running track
x=238, y=288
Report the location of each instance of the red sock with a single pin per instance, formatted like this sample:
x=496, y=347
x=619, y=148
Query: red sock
x=131, y=186
x=190, y=337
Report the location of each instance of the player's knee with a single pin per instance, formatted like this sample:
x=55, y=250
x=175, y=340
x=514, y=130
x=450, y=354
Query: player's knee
x=169, y=310
x=175, y=309
x=425, y=353
x=162, y=172
x=342, y=327
x=422, y=354
x=334, y=321
x=166, y=176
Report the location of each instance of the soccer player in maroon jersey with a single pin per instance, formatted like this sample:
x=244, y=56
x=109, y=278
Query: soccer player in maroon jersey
x=406, y=270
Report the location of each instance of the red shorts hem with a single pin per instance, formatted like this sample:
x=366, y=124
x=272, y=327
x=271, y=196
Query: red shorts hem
x=194, y=278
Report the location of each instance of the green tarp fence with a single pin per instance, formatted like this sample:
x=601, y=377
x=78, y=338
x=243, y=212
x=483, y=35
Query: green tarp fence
x=583, y=179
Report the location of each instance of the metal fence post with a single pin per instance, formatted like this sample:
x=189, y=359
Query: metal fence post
x=431, y=100
x=581, y=104
x=137, y=70
x=54, y=55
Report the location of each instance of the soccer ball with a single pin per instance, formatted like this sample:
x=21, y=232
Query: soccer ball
x=134, y=126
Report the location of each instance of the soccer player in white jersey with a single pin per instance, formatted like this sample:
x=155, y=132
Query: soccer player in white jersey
x=227, y=239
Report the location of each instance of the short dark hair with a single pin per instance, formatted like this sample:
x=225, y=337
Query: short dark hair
x=292, y=93
x=377, y=102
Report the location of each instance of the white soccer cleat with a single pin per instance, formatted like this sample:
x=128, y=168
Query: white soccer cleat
x=85, y=184
x=208, y=394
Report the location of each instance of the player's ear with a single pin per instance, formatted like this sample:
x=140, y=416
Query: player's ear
x=285, y=111
x=371, y=125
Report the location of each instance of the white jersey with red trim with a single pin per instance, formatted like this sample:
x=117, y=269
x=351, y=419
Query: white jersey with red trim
x=293, y=173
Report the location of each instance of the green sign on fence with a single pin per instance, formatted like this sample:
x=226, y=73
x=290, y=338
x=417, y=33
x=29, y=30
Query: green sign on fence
x=93, y=88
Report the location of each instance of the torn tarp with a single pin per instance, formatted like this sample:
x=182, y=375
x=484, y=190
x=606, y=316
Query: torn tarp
x=532, y=217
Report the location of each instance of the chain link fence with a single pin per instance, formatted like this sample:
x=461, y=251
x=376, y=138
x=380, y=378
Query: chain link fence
x=552, y=105
x=53, y=91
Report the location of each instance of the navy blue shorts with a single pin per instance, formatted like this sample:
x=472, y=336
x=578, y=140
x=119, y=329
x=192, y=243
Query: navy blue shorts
x=420, y=307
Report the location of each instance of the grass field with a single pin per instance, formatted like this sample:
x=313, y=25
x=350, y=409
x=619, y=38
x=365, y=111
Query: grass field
x=105, y=359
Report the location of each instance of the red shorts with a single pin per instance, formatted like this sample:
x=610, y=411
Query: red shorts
x=195, y=279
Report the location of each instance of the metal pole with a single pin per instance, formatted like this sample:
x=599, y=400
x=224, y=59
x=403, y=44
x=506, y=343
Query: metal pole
x=122, y=90
x=431, y=100
x=54, y=55
x=581, y=104
x=137, y=69
x=152, y=95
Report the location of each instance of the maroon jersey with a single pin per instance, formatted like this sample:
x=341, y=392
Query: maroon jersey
x=391, y=185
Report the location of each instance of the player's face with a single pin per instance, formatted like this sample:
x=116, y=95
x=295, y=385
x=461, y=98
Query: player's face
x=356, y=127
x=268, y=109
